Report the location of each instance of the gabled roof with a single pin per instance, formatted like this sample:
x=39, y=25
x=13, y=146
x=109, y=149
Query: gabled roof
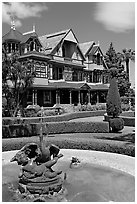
x=12, y=35
x=94, y=49
x=50, y=41
x=27, y=36
x=86, y=46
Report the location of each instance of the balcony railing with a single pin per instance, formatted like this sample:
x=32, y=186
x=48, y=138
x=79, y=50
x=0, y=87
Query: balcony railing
x=65, y=59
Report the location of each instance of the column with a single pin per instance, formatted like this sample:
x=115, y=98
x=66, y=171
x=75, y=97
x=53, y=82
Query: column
x=89, y=97
x=51, y=72
x=12, y=48
x=97, y=97
x=57, y=97
x=35, y=97
x=33, y=45
x=70, y=97
x=7, y=48
x=25, y=50
x=15, y=47
x=92, y=76
x=79, y=97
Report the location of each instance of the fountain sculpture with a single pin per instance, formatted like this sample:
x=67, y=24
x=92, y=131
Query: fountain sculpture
x=37, y=180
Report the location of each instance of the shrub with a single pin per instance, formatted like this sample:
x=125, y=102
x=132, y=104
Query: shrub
x=125, y=107
x=113, y=102
x=31, y=110
x=133, y=108
x=116, y=124
x=47, y=113
x=124, y=99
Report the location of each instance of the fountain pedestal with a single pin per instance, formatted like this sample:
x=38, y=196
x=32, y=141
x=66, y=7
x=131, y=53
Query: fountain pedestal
x=37, y=180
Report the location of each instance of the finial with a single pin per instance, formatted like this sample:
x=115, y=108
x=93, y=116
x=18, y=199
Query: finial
x=98, y=43
x=12, y=23
x=33, y=27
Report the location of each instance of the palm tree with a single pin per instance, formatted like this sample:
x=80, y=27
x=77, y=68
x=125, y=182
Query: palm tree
x=127, y=54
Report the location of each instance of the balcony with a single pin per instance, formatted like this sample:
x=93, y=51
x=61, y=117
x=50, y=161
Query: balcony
x=67, y=61
x=92, y=67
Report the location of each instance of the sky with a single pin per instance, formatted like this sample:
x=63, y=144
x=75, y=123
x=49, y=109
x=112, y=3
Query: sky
x=102, y=22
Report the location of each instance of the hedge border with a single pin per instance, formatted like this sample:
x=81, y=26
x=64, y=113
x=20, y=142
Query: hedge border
x=104, y=145
x=58, y=118
x=16, y=130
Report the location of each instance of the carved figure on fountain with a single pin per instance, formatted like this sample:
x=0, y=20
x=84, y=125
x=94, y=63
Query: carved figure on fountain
x=37, y=175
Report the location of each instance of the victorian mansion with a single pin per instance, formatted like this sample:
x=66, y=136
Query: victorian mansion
x=67, y=72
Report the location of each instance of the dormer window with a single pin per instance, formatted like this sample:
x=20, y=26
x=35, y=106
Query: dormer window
x=31, y=46
x=98, y=59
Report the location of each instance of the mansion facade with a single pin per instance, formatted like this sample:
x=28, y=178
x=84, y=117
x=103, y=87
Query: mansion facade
x=67, y=72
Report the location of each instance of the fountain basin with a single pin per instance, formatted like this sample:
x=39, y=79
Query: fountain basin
x=100, y=176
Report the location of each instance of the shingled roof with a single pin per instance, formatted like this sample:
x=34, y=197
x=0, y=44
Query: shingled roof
x=50, y=41
x=12, y=35
x=94, y=49
x=85, y=47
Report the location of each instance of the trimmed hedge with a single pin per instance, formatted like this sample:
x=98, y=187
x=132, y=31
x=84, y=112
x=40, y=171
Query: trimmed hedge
x=129, y=118
x=128, y=114
x=128, y=121
x=17, y=130
x=58, y=118
x=86, y=143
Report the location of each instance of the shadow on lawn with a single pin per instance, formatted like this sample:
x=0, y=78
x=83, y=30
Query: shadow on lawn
x=130, y=138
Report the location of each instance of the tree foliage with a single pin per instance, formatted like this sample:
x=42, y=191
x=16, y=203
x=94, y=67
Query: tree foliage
x=114, y=59
x=17, y=77
x=113, y=102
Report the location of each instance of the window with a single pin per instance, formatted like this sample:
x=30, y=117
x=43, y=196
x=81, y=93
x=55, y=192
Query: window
x=98, y=59
x=75, y=76
x=47, y=97
x=63, y=51
x=80, y=76
x=57, y=73
x=41, y=70
x=60, y=75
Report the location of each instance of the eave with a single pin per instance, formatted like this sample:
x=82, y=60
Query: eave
x=67, y=63
x=35, y=54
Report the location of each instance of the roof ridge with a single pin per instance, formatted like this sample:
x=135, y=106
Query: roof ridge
x=87, y=42
x=50, y=34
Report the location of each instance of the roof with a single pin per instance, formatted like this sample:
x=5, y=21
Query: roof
x=27, y=36
x=85, y=47
x=99, y=87
x=36, y=54
x=70, y=85
x=50, y=41
x=94, y=49
x=16, y=35
x=12, y=35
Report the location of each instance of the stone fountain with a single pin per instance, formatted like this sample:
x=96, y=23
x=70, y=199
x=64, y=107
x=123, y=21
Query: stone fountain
x=37, y=180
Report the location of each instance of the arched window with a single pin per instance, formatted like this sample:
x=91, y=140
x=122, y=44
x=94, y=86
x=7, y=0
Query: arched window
x=41, y=70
